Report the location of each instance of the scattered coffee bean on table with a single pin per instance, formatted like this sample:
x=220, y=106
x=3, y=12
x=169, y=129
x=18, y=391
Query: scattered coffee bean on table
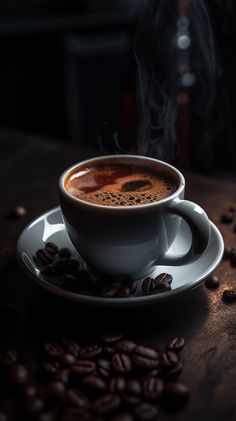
x=175, y=344
x=18, y=375
x=17, y=213
x=175, y=395
x=212, y=282
x=228, y=217
x=229, y=295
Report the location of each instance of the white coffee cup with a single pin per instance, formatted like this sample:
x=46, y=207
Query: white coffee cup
x=122, y=241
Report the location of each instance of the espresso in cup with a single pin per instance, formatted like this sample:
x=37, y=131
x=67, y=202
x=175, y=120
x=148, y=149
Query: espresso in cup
x=119, y=184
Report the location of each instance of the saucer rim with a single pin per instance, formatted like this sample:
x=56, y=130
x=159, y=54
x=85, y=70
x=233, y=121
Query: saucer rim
x=114, y=302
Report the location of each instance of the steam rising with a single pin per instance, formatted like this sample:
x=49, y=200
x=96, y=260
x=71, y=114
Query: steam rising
x=161, y=50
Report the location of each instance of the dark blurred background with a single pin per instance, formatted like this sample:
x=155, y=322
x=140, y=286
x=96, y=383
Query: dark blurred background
x=68, y=71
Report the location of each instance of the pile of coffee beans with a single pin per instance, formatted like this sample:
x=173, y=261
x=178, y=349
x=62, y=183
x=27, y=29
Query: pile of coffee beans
x=59, y=264
x=112, y=379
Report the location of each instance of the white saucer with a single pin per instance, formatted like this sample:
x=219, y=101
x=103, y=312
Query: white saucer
x=50, y=227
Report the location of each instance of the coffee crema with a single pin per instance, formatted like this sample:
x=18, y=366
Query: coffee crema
x=118, y=184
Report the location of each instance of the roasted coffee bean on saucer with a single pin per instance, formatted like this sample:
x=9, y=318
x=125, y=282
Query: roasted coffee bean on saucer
x=161, y=283
x=51, y=248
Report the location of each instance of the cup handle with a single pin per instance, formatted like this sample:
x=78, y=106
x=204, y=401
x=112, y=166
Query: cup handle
x=200, y=227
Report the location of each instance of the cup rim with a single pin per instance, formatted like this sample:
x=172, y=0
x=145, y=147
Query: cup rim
x=90, y=205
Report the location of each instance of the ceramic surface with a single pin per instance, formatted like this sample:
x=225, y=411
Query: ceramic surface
x=50, y=227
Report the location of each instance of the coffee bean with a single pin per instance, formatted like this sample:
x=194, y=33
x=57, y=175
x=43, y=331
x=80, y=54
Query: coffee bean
x=122, y=416
x=143, y=362
x=75, y=414
x=55, y=391
x=18, y=212
x=18, y=374
x=145, y=412
x=106, y=404
x=145, y=357
x=83, y=367
x=108, y=351
x=76, y=397
x=131, y=400
x=212, y=282
x=62, y=376
x=64, y=253
x=152, y=387
x=103, y=367
x=44, y=257
x=51, y=367
x=67, y=359
x=232, y=256
x=121, y=363
x=62, y=266
x=164, y=278
x=154, y=373
x=123, y=292
x=133, y=387
x=175, y=395
x=90, y=351
x=167, y=359
x=32, y=406
x=28, y=391
x=161, y=283
x=175, y=344
x=53, y=349
x=145, y=351
x=47, y=270
x=51, y=248
x=111, y=338
x=229, y=295
x=227, y=217
x=173, y=371
x=125, y=346
x=117, y=384
x=93, y=382
x=7, y=357
x=72, y=347
x=127, y=288
x=109, y=292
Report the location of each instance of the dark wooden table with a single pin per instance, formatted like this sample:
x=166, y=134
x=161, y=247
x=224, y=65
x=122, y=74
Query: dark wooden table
x=29, y=176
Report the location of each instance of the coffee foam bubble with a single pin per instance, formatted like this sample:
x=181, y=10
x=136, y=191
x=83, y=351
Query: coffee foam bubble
x=127, y=199
x=119, y=185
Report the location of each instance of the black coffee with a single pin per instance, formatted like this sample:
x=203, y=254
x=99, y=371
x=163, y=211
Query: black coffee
x=118, y=184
